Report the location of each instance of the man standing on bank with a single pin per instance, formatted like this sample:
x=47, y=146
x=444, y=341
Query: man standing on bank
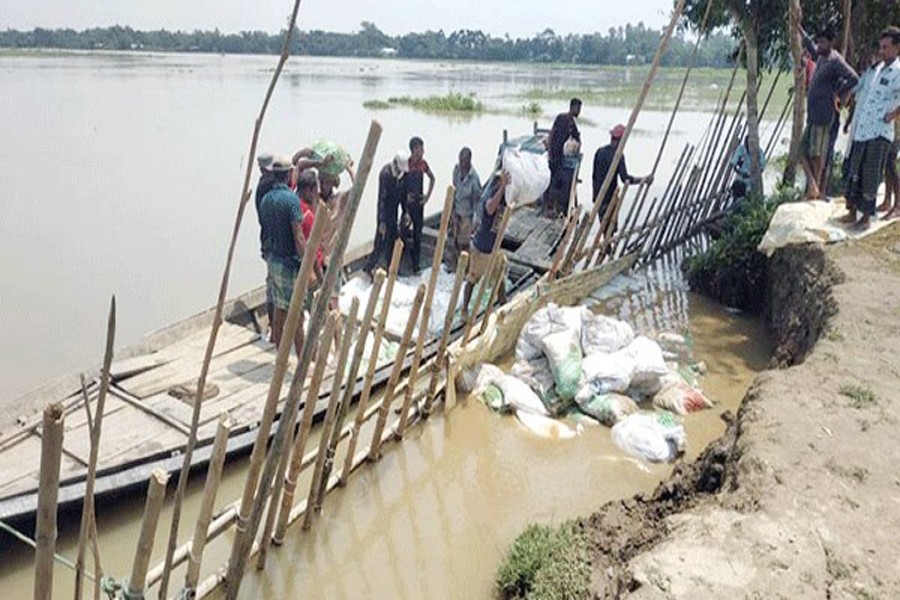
x=602, y=162
x=874, y=133
x=564, y=128
x=414, y=198
x=832, y=77
x=389, y=195
x=467, y=192
x=284, y=243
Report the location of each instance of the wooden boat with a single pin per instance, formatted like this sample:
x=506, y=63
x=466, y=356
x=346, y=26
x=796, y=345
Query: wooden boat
x=148, y=411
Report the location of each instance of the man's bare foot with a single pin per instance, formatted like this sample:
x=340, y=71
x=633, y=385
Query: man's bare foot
x=883, y=207
x=849, y=218
x=862, y=225
x=894, y=213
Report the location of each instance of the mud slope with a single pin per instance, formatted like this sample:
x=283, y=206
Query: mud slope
x=801, y=497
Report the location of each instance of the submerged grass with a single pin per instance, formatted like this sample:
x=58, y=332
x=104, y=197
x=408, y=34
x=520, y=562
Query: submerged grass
x=546, y=563
x=449, y=103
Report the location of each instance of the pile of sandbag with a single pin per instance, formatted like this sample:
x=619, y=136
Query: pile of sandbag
x=570, y=359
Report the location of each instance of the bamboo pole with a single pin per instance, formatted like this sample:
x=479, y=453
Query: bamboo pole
x=299, y=445
x=48, y=495
x=559, y=254
x=845, y=38
x=492, y=262
x=156, y=494
x=334, y=401
x=373, y=361
x=337, y=432
x=656, y=209
x=95, y=427
x=375, y=448
x=499, y=280
x=439, y=358
x=247, y=527
x=620, y=149
x=413, y=375
x=213, y=477
x=662, y=218
x=220, y=305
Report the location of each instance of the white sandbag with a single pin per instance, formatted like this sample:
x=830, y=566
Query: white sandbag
x=679, y=397
x=537, y=374
x=545, y=426
x=547, y=320
x=801, y=223
x=517, y=394
x=657, y=437
x=529, y=176
x=476, y=379
x=608, y=409
x=493, y=398
x=608, y=372
x=563, y=352
x=649, y=365
x=600, y=333
x=675, y=347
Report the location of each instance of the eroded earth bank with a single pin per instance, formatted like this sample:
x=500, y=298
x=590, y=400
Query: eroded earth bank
x=801, y=497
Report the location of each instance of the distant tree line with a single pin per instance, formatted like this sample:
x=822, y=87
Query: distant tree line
x=631, y=44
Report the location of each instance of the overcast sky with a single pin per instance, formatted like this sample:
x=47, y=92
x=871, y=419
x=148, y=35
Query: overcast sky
x=516, y=17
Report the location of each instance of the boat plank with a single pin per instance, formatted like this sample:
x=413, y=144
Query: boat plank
x=20, y=467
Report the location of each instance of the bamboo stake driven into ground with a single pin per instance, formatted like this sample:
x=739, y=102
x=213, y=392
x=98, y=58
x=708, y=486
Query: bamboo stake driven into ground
x=499, y=278
x=363, y=403
x=482, y=282
x=413, y=375
x=95, y=425
x=439, y=358
x=299, y=445
x=220, y=305
x=247, y=528
x=156, y=494
x=48, y=496
x=211, y=488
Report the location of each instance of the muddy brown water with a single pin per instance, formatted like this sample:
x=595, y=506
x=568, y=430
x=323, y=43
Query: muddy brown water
x=435, y=516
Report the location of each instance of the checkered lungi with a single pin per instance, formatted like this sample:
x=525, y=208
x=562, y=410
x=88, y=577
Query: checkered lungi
x=281, y=278
x=866, y=173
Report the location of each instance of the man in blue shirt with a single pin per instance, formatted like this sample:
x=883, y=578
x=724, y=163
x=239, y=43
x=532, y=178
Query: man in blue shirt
x=741, y=164
x=874, y=133
x=492, y=205
x=283, y=245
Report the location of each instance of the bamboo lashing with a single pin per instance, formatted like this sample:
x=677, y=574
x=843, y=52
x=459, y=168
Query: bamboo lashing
x=220, y=305
x=413, y=375
x=48, y=496
x=620, y=149
x=210, y=489
x=95, y=428
x=363, y=403
x=441, y=355
x=302, y=438
x=375, y=448
x=246, y=531
x=334, y=398
x=156, y=494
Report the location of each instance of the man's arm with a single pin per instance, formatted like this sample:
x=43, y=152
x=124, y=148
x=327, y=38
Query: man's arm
x=494, y=203
x=809, y=44
x=299, y=240
x=847, y=79
x=303, y=159
x=430, y=185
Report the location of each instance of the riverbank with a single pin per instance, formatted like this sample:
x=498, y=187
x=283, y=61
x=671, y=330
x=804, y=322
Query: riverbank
x=799, y=497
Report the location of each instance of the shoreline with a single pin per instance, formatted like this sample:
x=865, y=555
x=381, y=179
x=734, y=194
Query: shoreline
x=794, y=500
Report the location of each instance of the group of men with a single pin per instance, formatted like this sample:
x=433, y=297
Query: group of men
x=873, y=125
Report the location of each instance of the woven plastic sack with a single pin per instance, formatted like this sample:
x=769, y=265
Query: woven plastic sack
x=656, y=437
x=478, y=378
x=675, y=347
x=608, y=372
x=545, y=321
x=323, y=148
x=679, y=397
x=600, y=333
x=609, y=409
x=529, y=176
x=563, y=351
x=493, y=398
x=649, y=366
x=518, y=395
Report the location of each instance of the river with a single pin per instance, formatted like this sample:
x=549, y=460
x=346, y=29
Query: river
x=122, y=174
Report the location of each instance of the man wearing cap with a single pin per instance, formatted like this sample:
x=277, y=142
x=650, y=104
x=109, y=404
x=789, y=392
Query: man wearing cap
x=564, y=128
x=832, y=77
x=389, y=193
x=284, y=242
x=466, y=193
x=265, y=183
x=602, y=162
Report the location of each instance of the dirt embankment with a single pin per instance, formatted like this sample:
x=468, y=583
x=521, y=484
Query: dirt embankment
x=801, y=497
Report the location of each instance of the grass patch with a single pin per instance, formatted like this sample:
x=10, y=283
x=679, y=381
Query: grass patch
x=376, y=104
x=449, y=103
x=861, y=396
x=532, y=108
x=546, y=563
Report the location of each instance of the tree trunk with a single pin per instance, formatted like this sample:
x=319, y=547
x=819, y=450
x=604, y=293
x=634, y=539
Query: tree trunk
x=790, y=170
x=750, y=35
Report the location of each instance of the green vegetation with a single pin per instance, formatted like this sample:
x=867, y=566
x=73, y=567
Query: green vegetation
x=532, y=108
x=860, y=395
x=450, y=103
x=731, y=270
x=546, y=563
x=628, y=45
